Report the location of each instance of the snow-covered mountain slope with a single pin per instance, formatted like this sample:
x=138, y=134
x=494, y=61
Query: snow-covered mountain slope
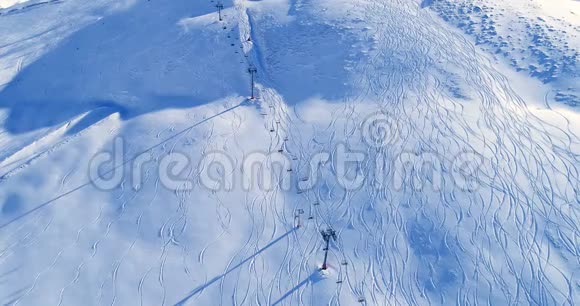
x=8, y=3
x=538, y=37
x=446, y=177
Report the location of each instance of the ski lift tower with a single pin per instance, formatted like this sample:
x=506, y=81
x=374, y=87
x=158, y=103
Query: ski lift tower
x=327, y=235
x=252, y=70
x=220, y=7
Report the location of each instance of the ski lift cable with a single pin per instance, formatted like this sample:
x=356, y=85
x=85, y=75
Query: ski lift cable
x=124, y=163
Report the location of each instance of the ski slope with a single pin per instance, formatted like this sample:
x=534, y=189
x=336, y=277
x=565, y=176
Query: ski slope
x=389, y=80
x=537, y=37
x=8, y=3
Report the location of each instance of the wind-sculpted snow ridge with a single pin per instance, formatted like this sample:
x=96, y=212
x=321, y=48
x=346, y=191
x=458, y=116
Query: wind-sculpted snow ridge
x=546, y=47
x=444, y=183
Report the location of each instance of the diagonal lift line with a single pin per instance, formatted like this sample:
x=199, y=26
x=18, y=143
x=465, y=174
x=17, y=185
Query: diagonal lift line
x=53, y=200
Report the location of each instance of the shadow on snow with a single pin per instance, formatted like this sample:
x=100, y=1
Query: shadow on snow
x=133, y=62
x=219, y=277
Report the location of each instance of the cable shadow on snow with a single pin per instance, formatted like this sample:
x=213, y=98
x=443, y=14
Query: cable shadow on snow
x=133, y=62
x=200, y=288
x=123, y=164
x=312, y=279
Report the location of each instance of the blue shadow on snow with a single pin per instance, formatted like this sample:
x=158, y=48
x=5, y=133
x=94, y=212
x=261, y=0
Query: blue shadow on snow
x=132, y=62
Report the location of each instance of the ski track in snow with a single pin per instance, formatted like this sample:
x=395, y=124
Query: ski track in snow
x=512, y=241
